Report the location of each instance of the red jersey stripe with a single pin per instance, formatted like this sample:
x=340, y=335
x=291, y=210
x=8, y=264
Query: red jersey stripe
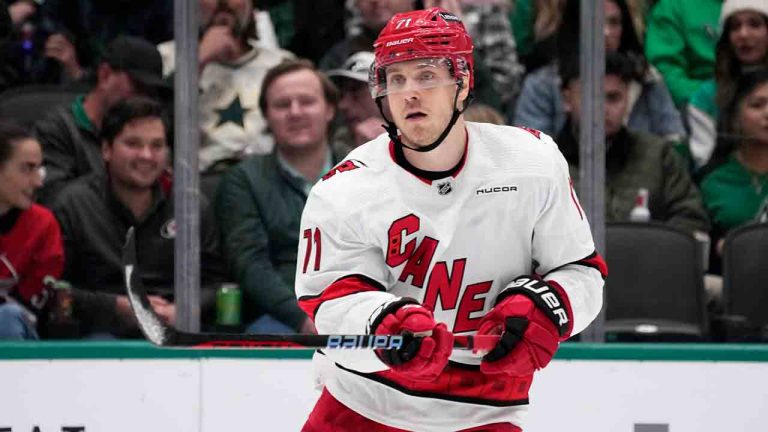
x=340, y=288
x=597, y=262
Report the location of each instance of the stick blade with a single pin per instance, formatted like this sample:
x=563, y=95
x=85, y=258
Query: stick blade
x=150, y=324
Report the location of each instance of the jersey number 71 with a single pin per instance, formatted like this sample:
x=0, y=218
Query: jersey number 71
x=311, y=236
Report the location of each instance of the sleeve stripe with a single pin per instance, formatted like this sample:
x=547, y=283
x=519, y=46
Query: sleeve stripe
x=351, y=284
x=594, y=260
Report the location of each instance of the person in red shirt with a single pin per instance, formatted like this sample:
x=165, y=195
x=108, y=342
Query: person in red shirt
x=30, y=239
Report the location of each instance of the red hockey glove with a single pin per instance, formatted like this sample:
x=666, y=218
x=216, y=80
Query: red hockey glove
x=531, y=317
x=422, y=357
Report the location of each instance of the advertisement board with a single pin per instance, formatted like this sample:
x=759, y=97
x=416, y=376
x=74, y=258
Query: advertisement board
x=220, y=394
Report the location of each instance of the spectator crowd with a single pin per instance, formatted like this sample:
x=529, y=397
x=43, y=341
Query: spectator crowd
x=283, y=97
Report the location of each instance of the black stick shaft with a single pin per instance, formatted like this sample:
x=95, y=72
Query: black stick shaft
x=304, y=341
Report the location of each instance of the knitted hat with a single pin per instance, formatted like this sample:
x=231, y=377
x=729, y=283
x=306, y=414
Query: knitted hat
x=730, y=7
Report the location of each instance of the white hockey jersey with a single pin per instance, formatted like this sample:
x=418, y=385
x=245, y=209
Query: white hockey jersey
x=373, y=231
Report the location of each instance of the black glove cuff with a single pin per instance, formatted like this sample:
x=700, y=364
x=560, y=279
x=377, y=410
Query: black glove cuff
x=544, y=296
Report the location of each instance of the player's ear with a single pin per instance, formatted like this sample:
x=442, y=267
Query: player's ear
x=463, y=91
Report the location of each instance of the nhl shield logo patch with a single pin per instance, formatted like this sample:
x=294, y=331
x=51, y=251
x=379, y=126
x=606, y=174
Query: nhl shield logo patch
x=444, y=188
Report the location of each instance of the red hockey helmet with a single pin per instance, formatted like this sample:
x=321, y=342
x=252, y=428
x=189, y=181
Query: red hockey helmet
x=422, y=34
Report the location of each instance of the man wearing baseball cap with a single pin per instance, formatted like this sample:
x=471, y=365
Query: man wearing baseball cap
x=130, y=66
x=141, y=61
x=361, y=117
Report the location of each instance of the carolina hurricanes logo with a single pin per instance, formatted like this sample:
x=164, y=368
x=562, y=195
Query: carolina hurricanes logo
x=168, y=231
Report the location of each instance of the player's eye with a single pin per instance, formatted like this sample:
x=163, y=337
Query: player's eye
x=396, y=81
x=427, y=76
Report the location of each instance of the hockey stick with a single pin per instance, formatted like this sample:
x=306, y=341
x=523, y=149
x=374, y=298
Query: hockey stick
x=161, y=334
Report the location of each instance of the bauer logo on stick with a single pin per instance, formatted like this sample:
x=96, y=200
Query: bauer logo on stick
x=365, y=341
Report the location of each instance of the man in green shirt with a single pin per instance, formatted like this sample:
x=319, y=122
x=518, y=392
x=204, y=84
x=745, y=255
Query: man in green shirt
x=259, y=201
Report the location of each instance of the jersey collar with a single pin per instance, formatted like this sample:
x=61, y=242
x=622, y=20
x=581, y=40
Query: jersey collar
x=398, y=157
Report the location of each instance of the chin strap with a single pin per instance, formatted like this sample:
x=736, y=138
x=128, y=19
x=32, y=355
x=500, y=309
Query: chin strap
x=391, y=128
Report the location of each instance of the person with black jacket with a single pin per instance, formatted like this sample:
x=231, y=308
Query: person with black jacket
x=96, y=211
x=70, y=135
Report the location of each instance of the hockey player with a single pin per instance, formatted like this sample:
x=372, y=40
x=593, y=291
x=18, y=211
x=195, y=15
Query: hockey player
x=441, y=227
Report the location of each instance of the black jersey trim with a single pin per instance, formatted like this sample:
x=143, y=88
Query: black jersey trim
x=400, y=159
x=457, y=365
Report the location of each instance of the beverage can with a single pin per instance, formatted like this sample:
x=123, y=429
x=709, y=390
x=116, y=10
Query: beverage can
x=63, y=301
x=228, y=299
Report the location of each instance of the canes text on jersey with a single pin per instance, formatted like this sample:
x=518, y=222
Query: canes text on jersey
x=417, y=257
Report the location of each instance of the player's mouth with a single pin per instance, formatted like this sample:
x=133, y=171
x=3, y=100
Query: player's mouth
x=417, y=115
